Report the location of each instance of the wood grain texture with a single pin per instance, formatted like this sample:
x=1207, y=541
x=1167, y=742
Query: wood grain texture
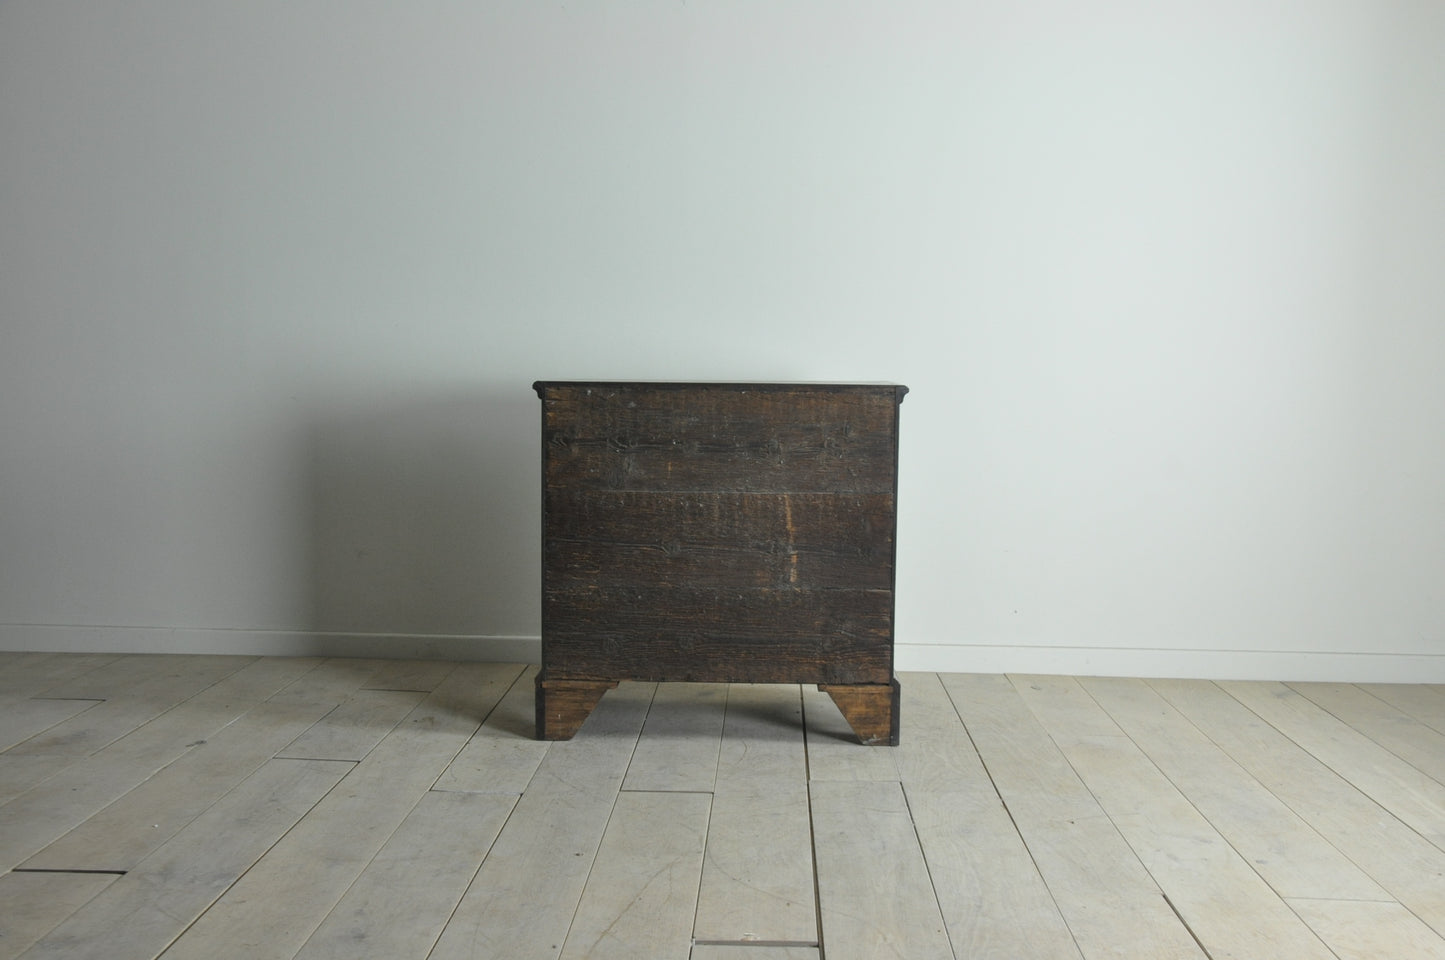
x=678, y=749
x=870, y=913
x=1407, y=792
x=416, y=675
x=33, y=904
x=401, y=902
x=127, y=830
x=22, y=717
x=133, y=707
x=641, y=896
x=725, y=533
x=793, y=438
x=1414, y=742
x=1112, y=905
x=1405, y=864
x=719, y=541
x=1285, y=850
x=19, y=775
x=564, y=705
x=521, y=902
x=871, y=710
x=1423, y=702
x=121, y=676
x=352, y=729
x=995, y=904
x=757, y=878
x=260, y=679
x=833, y=752
x=1370, y=930
x=136, y=917
x=278, y=905
x=1011, y=805
x=690, y=634
x=331, y=682
x=1228, y=907
x=503, y=754
x=41, y=674
x=79, y=790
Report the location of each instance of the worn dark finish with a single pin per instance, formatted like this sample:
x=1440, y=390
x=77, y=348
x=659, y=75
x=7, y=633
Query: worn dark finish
x=720, y=532
x=563, y=705
x=871, y=710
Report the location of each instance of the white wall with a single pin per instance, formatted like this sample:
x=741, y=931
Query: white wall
x=1165, y=280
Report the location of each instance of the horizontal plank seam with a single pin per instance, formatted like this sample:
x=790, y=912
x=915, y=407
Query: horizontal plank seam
x=755, y=943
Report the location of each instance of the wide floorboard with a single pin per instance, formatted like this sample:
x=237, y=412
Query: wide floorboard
x=176, y=806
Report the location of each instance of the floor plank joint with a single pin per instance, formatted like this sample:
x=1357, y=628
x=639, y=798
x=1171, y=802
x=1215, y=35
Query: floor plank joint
x=178, y=806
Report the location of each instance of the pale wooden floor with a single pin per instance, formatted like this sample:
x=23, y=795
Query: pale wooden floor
x=217, y=807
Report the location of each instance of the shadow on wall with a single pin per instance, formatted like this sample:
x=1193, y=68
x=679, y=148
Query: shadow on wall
x=424, y=525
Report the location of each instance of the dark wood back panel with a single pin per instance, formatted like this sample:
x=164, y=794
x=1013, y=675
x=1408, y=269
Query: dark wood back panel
x=720, y=532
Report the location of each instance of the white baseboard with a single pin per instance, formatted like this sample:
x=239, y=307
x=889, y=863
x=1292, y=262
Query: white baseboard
x=1300, y=665
x=267, y=643
x=1297, y=665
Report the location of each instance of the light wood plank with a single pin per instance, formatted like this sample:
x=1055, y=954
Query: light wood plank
x=21, y=774
x=125, y=832
x=757, y=879
x=939, y=753
x=678, y=748
x=290, y=891
x=42, y=673
x=521, y=902
x=402, y=900
x=995, y=904
x=1409, y=794
x=1406, y=865
x=1416, y=743
x=1370, y=930
x=874, y=893
x=1425, y=702
x=110, y=677
x=258, y=680
x=1290, y=854
x=834, y=752
x=1064, y=709
x=138, y=915
x=1111, y=904
x=503, y=755
x=331, y=682
x=27, y=674
x=56, y=805
x=22, y=718
x=142, y=702
x=1275, y=803
x=33, y=904
x=421, y=676
x=1228, y=907
x=639, y=900
x=352, y=729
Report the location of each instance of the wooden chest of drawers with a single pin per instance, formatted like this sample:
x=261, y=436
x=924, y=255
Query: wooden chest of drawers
x=722, y=532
